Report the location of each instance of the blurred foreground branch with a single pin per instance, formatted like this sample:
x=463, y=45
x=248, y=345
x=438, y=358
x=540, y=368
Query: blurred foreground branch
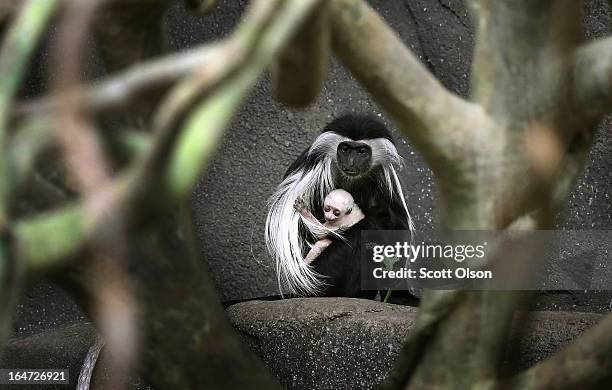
x=17, y=47
x=120, y=90
x=187, y=128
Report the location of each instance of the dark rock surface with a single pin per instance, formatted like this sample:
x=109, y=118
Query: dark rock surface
x=62, y=348
x=545, y=332
x=35, y=314
x=65, y=347
x=343, y=343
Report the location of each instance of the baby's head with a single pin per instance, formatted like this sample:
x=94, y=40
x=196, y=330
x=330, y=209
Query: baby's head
x=337, y=204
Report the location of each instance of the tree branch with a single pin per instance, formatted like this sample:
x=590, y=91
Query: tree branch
x=67, y=231
x=299, y=72
x=8, y=8
x=114, y=309
x=222, y=87
x=74, y=129
x=432, y=310
x=17, y=48
x=129, y=31
x=26, y=146
x=593, y=77
x=122, y=89
x=434, y=119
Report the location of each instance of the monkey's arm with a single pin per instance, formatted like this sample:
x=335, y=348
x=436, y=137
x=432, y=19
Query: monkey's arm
x=316, y=250
x=314, y=226
x=305, y=213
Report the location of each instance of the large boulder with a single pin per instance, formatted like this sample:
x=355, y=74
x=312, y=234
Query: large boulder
x=63, y=348
x=332, y=343
x=67, y=347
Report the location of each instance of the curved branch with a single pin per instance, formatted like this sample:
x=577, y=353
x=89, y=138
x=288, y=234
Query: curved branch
x=7, y=9
x=120, y=90
x=593, y=77
x=129, y=31
x=299, y=72
x=432, y=310
x=75, y=131
x=17, y=48
x=434, y=118
x=115, y=309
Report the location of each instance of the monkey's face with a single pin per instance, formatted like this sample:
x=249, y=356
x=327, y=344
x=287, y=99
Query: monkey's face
x=337, y=204
x=333, y=209
x=354, y=158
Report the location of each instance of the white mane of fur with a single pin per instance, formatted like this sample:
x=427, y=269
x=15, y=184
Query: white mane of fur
x=282, y=231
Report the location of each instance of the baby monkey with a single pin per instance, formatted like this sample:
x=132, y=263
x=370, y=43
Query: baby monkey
x=340, y=212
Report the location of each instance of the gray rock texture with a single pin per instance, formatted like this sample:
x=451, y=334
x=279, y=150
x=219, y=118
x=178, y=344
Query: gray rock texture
x=545, y=332
x=344, y=343
x=66, y=347
x=62, y=348
x=324, y=343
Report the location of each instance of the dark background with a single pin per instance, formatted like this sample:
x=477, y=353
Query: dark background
x=265, y=137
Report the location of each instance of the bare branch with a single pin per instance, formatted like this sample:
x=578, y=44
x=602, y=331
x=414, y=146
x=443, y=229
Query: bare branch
x=115, y=310
x=26, y=146
x=47, y=241
x=8, y=8
x=76, y=133
x=122, y=89
x=17, y=48
x=434, y=119
x=433, y=309
x=299, y=72
x=593, y=77
x=129, y=31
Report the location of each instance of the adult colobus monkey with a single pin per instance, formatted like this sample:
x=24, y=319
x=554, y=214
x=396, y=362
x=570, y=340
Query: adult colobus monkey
x=354, y=153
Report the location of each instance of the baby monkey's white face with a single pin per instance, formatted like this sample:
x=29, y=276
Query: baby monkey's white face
x=337, y=204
